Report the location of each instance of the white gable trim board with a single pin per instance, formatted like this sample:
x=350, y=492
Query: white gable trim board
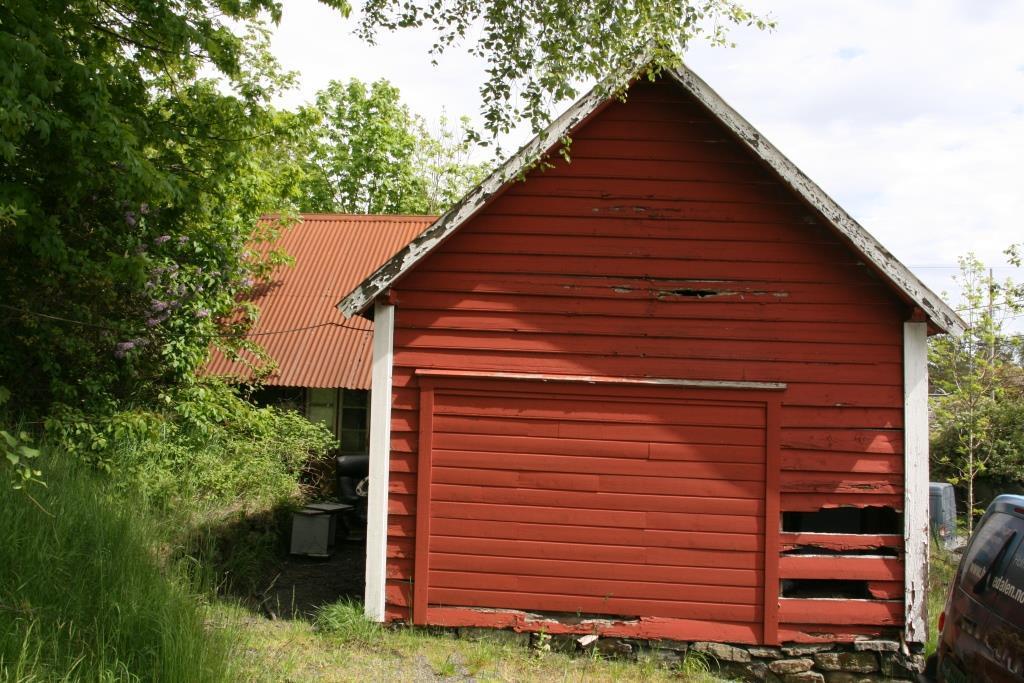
x=938, y=312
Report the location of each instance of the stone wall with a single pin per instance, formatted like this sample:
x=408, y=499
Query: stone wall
x=865, y=661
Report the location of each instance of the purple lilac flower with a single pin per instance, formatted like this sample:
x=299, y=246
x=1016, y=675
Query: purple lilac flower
x=183, y=240
x=161, y=239
x=153, y=322
x=248, y=282
x=203, y=313
x=129, y=218
x=158, y=306
x=122, y=348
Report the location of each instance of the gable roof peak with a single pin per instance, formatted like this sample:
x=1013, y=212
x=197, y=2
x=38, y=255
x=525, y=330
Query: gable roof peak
x=888, y=266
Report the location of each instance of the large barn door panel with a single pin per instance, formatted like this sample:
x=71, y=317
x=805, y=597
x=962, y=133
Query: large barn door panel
x=620, y=501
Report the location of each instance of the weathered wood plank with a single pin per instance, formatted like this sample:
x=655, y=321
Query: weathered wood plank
x=594, y=604
x=525, y=566
x=841, y=612
x=840, y=542
x=590, y=499
x=609, y=588
x=851, y=567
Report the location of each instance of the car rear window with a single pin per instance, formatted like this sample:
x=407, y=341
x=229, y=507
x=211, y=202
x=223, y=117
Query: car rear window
x=994, y=566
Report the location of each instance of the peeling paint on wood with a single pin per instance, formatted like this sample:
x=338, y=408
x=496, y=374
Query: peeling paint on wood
x=860, y=239
x=598, y=379
x=508, y=172
x=840, y=542
x=582, y=453
x=880, y=257
x=916, y=532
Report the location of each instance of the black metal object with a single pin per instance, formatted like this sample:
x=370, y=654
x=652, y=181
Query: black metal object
x=351, y=471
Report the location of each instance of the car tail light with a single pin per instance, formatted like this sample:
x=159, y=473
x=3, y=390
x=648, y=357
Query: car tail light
x=942, y=620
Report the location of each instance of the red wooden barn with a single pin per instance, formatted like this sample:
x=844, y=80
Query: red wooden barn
x=669, y=389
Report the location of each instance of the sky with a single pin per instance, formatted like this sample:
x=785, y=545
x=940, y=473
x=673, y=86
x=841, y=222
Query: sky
x=909, y=113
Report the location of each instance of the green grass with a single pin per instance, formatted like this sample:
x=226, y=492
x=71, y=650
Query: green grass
x=113, y=577
x=940, y=573
x=341, y=645
x=84, y=595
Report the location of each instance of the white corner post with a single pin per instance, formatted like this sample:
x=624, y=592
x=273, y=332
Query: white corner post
x=380, y=456
x=916, y=533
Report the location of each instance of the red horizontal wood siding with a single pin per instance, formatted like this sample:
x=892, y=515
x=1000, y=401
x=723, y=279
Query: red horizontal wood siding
x=662, y=250
x=671, y=574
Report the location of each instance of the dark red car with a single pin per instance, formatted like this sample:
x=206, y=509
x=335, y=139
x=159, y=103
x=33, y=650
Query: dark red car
x=982, y=624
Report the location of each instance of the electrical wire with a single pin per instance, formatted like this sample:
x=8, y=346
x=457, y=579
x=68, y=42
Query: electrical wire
x=108, y=328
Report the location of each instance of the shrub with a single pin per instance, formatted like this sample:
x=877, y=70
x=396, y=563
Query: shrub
x=207, y=446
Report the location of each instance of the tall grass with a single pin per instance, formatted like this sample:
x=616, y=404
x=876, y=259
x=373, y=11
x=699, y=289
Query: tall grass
x=942, y=568
x=83, y=595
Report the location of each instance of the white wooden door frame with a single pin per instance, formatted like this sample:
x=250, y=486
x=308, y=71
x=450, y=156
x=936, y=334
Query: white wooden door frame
x=916, y=534
x=380, y=456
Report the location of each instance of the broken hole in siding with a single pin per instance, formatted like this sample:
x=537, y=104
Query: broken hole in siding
x=825, y=588
x=845, y=520
x=810, y=549
x=694, y=293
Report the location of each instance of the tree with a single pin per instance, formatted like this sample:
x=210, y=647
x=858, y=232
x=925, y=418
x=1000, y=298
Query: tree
x=538, y=52
x=977, y=387
x=443, y=159
x=134, y=137
x=366, y=152
x=129, y=185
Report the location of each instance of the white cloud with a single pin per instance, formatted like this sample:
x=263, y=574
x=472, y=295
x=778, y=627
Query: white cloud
x=910, y=113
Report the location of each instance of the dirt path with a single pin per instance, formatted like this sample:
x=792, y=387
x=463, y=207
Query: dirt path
x=299, y=584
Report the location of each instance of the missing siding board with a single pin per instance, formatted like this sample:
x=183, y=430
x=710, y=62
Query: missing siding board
x=694, y=293
x=825, y=588
x=882, y=551
x=845, y=520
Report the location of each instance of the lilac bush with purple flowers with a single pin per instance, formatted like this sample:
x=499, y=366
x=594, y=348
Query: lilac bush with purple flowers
x=137, y=183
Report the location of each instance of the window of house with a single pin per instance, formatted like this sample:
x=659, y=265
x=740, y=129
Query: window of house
x=355, y=422
x=322, y=407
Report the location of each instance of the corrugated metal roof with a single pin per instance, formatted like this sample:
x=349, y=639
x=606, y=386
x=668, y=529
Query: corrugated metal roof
x=333, y=253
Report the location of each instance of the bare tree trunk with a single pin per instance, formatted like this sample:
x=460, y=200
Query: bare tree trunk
x=970, y=484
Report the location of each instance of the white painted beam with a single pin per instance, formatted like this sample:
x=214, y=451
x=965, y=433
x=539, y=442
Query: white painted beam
x=915, y=508
x=380, y=455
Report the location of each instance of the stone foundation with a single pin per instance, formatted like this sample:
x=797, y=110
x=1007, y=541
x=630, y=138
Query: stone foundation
x=866, y=660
